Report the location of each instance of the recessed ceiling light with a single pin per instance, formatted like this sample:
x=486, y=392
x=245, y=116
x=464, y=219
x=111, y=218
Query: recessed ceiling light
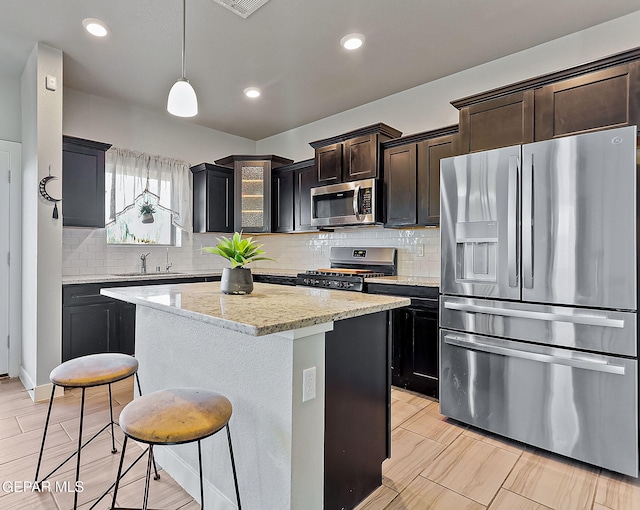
x=252, y=92
x=95, y=27
x=352, y=41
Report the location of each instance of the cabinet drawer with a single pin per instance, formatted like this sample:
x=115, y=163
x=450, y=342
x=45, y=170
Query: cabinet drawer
x=85, y=294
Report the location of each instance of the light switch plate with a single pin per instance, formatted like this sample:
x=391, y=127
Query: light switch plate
x=51, y=82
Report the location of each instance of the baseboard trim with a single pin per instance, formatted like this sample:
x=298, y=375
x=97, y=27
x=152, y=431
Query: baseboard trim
x=189, y=479
x=38, y=393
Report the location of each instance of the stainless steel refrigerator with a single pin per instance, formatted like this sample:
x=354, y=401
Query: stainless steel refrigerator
x=539, y=286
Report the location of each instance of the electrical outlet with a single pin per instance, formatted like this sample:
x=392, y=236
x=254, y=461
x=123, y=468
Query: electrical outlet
x=420, y=250
x=308, y=384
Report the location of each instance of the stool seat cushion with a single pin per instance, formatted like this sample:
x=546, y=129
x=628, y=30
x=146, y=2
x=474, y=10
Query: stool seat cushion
x=173, y=416
x=94, y=370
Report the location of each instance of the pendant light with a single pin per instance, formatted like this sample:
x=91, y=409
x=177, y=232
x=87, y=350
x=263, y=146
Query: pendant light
x=182, y=100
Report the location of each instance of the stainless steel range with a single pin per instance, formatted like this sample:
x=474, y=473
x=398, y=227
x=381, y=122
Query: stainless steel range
x=350, y=268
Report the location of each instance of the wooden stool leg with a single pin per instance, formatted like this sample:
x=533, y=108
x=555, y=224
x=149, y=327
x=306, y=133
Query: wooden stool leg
x=113, y=437
x=233, y=468
x=75, y=494
x=117, y=483
x=44, y=433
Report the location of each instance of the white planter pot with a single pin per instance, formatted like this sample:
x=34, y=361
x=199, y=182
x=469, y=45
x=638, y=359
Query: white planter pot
x=236, y=281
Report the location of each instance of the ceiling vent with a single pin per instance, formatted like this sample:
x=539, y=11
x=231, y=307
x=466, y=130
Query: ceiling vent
x=242, y=7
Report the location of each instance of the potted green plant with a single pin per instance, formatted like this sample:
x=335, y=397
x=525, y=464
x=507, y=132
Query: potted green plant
x=146, y=211
x=237, y=279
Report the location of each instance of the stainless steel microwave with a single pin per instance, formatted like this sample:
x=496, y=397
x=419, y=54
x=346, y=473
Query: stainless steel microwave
x=348, y=203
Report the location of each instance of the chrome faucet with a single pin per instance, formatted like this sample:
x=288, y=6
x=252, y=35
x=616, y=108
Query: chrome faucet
x=168, y=265
x=143, y=263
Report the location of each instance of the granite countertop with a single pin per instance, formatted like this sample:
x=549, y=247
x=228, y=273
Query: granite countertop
x=136, y=277
x=269, y=309
x=418, y=281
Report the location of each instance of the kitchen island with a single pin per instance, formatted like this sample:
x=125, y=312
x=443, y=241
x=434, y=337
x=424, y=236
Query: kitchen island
x=254, y=349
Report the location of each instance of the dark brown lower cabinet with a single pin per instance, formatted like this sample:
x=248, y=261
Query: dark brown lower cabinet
x=101, y=324
x=414, y=338
x=415, y=351
x=357, y=409
x=93, y=323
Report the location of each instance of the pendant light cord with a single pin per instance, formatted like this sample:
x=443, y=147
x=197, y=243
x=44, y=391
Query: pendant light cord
x=184, y=30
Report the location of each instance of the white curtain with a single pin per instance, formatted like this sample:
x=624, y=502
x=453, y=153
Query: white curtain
x=130, y=174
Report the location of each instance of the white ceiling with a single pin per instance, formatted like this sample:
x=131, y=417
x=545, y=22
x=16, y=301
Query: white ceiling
x=288, y=48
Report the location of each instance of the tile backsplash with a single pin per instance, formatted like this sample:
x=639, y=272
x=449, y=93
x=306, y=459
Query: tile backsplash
x=86, y=252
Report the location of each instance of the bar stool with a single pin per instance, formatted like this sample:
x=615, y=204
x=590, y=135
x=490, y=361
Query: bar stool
x=87, y=372
x=170, y=417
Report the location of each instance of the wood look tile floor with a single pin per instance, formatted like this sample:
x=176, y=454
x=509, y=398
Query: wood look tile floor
x=436, y=463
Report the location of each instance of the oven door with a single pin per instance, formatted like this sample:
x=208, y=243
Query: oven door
x=349, y=203
x=574, y=403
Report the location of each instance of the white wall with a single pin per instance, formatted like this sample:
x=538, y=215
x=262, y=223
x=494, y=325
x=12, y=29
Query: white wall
x=10, y=111
x=130, y=127
x=428, y=106
x=41, y=234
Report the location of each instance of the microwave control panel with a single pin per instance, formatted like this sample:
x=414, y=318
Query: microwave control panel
x=365, y=201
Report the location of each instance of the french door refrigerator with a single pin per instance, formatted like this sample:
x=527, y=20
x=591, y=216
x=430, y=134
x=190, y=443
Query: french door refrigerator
x=538, y=305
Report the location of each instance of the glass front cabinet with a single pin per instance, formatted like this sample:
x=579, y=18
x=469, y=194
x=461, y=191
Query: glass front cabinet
x=252, y=189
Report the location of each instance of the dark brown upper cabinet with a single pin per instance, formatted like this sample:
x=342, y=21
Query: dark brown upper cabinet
x=212, y=198
x=252, y=189
x=599, y=100
x=329, y=164
x=361, y=157
x=83, y=182
x=352, y=156
x=400, y=167
x=412, y=176
x=430, y=152
x=291, y=196
x=597, y=95
x=497, y=123
x=282, y=200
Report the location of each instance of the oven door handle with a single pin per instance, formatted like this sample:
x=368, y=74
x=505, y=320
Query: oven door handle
x=587, y=320
x=585, y=361
x=356, y=202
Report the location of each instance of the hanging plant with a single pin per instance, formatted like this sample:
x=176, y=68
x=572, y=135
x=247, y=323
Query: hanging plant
x=146, y=211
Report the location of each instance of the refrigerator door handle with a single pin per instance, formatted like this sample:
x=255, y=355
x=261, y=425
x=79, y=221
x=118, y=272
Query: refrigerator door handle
x=585, y=362
x=527, y=220
x=585, y=319
x=512, y=223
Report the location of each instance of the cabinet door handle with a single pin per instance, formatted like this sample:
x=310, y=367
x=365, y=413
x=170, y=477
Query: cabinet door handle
x=84, y=296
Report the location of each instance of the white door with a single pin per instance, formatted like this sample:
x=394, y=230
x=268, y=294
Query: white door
x=9, y=161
